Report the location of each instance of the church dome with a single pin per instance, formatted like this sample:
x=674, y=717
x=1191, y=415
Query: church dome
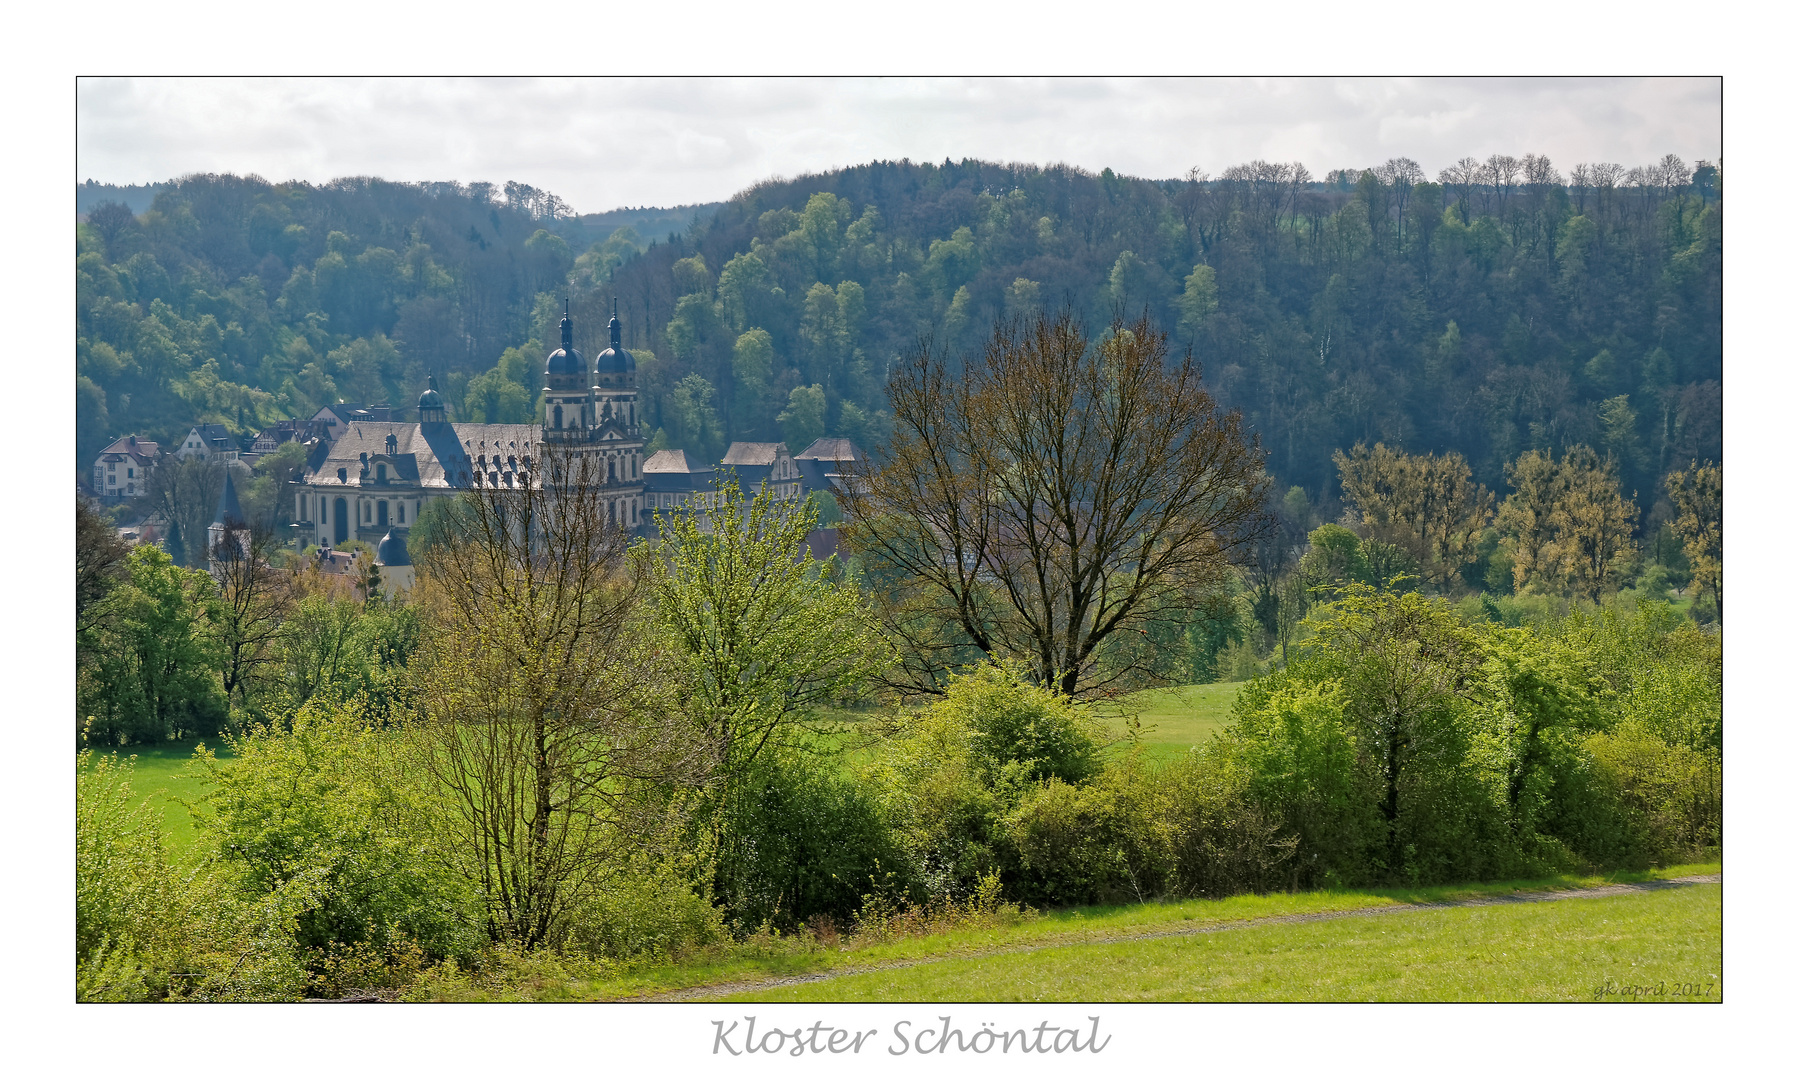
x=430, y=399
x=392, y=549
x=616, y=360
x=565, y=362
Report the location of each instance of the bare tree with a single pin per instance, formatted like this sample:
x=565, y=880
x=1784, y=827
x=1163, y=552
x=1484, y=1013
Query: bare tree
x=539, y=711
x=1461, y=178
x=1401, y=175
x=1502, y=173
x=254, y=599
x=1052, y=502
x=1580, y=182
x=187, y=492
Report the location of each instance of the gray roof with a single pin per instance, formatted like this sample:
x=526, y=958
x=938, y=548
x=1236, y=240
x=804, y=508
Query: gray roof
x=831, y=450
x=752, y=453
x=426, y=455
x=672, y=461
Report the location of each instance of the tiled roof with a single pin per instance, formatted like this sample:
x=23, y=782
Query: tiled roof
x=752, y=453
x=672, y=461
x=830, y=450
x=122, y=448
x=428, y=455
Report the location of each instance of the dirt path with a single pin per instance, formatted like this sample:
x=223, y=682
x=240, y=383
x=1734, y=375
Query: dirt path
x=705, y=993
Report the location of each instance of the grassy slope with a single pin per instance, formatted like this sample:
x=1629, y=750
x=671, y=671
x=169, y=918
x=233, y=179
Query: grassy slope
x=1072, y=927
x=1179, y=717
x=164, y=774
x=1563, y=951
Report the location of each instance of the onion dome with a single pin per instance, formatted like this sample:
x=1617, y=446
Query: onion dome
x=392, y=549
x=566, y=361
x=430, y=399
x=615, y=360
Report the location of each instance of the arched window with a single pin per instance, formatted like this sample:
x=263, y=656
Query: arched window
x=611, y=470
x=558, y=412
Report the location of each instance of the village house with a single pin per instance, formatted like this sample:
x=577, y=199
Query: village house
x=209, y=440
x=122, y=470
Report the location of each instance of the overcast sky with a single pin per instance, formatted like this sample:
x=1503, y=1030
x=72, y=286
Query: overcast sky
x=602, y=144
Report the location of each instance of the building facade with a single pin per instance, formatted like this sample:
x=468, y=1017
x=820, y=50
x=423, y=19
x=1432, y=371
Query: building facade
x=122, y=470
x=373, y=475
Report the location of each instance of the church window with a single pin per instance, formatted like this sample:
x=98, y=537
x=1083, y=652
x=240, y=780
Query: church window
x=558, y=422
x=402, y=509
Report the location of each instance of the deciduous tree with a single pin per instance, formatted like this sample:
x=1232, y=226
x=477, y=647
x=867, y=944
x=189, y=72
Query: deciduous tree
x=1051, y=502
x=1698, y=496
x=541, y=712
x=1422, y=503
x=1593, y=523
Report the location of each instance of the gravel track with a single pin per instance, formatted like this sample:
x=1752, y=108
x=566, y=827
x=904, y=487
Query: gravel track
x=707, y=993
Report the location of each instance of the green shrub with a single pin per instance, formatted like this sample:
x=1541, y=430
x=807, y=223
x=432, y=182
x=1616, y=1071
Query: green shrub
x=148, y=930
x=326, y=801
x=1019, y=730
x=1220, y=840
x=800, y=839
x=649, y=908
x=1672, y=795
x=1301, y=771
x=1088, y=843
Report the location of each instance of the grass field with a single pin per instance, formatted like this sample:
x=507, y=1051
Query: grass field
x=1072, y=928
x=165, y=774
x=1661, y=946
x=1178, y=717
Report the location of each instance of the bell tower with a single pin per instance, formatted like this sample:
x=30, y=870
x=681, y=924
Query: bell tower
x=567, y=400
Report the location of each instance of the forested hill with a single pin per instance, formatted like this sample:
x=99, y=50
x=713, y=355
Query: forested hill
x=1484, y=315
x=236, y=301
x=1505, y=308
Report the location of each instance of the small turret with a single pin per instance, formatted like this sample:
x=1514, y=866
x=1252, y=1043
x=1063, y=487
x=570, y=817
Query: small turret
x=431, y=403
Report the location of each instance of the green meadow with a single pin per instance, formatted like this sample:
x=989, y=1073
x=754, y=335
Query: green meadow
x=1653, y=946
x=166, y=776
x=1174, y=719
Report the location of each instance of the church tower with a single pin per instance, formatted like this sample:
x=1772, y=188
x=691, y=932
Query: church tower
x=617, y=434
x=567, y=400
x=615, y=380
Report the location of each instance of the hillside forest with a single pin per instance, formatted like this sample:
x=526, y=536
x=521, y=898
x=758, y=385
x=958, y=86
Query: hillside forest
x=1503, y=308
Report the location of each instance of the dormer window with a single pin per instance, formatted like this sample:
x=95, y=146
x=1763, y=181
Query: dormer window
x=381, y=473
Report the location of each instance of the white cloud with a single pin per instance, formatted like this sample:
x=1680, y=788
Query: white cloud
x=605, y=143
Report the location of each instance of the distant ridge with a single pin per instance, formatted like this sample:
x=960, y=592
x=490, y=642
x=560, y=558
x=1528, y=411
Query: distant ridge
x=136, y=197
